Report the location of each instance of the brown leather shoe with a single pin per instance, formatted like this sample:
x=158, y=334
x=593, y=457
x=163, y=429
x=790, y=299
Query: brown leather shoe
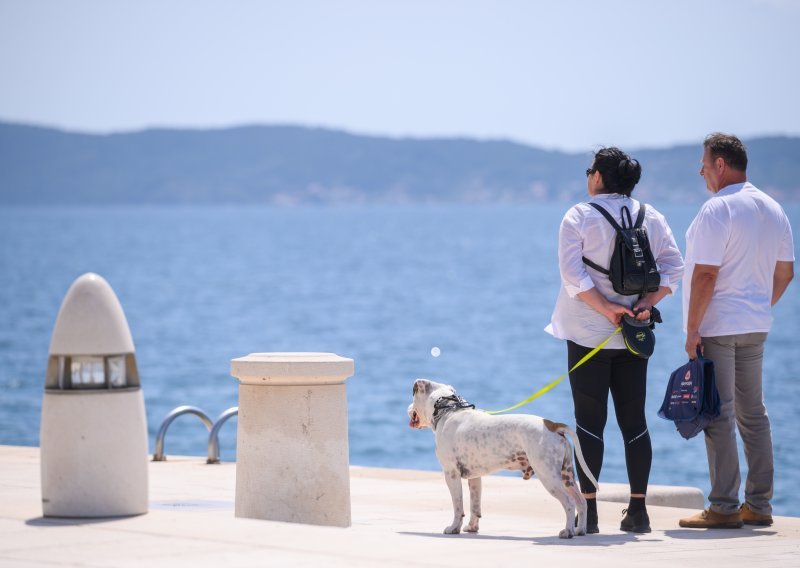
x=709, y=519
x=750, y=517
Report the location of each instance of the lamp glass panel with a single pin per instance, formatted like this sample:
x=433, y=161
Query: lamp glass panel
x=88, y=372
x=116, y=371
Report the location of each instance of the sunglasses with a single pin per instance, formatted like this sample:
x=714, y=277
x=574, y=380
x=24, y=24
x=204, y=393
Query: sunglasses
x=590, y=171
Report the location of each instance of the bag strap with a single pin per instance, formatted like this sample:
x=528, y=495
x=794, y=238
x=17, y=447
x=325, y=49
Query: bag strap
x=607, y=215
x=597, y=267
x=617, y=228
x=625, y=212
x=640, y=216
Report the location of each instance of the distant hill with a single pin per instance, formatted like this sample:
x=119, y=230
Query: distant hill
x=289, y=164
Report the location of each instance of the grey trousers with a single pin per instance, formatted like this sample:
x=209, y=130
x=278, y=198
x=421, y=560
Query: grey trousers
x=737, y=364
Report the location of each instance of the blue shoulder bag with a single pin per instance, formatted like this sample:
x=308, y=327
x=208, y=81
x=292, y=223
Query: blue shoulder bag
x=692, y=399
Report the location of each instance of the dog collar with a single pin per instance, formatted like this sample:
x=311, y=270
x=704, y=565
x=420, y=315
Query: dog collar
x=446, y=404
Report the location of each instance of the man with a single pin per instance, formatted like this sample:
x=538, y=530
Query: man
x=739, y=261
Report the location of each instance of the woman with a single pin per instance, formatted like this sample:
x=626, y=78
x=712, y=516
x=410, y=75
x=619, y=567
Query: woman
x=588, y=310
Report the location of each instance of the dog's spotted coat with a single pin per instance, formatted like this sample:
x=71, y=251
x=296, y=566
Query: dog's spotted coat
x=471, y=444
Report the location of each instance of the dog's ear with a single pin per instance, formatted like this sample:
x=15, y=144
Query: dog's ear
x=421, y=385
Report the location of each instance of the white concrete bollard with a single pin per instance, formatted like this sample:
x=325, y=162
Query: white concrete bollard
x=292, y=453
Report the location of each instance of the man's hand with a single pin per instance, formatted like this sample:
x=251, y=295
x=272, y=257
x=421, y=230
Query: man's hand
x=693, y=341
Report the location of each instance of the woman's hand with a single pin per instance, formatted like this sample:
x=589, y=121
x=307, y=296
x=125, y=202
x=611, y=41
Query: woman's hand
x=612, y=312
x=644, y=305
x=642, y=309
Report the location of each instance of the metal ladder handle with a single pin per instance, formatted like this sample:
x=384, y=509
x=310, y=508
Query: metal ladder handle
x=173, y=414
x=213, y=436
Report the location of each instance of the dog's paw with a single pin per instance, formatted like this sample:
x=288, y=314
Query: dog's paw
x=566, y=533
x=452, y=529
x=474, y=521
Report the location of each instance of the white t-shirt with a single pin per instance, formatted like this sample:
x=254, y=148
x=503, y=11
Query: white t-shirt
x=745, y=232
x=585, y=232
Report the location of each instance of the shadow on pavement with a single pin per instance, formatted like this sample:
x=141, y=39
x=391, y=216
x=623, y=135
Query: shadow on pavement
x=588, y=540
x=464, y=536
x=73, y=521
x=721, y=534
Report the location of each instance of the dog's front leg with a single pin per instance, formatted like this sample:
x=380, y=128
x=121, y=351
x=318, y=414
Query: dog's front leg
x=453, y=479
x=474, y=504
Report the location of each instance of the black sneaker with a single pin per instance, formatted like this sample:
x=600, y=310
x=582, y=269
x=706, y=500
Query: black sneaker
x=637, y=522
x=591, y=521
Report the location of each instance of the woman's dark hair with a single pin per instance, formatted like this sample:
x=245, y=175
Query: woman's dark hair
x=619, y=171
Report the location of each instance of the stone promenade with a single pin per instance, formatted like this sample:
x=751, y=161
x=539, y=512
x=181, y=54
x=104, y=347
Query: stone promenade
x=398, y=517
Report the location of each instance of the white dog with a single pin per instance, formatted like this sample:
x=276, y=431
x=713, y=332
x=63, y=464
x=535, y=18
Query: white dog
x=471, y=443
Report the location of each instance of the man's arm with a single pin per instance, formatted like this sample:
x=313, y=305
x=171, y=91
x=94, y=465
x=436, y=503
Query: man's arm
x=784, y=272
x=704, y=278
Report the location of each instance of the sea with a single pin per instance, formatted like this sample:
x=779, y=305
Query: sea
x=456, y=293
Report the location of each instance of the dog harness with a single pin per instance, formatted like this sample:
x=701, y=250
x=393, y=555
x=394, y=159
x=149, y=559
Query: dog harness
x=446, y=404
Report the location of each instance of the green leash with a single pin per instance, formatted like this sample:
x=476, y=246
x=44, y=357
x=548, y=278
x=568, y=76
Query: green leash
x=552, y=384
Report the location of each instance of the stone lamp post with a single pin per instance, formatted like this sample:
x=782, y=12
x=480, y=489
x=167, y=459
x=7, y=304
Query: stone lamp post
x=93, y=432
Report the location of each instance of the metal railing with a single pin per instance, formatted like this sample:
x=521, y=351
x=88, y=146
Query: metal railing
x=212, y=427
x=213, y=436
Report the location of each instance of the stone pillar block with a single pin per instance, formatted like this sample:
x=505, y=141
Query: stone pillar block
x=292, y=450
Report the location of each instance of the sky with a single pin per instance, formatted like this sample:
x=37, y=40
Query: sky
x=558, y=74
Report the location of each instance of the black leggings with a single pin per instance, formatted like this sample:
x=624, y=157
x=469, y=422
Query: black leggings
x=624, y=375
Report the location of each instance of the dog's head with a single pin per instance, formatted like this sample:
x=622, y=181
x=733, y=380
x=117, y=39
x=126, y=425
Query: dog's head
x=425, y=395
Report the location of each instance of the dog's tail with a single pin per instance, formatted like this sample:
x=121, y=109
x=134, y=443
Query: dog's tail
x=564, y=429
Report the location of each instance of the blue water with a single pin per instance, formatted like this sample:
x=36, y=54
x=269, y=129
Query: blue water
x=382, y=285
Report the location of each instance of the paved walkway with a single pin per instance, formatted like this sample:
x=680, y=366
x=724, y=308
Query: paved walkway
x=398, y=517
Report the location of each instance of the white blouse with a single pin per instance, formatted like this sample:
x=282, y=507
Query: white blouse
x=585, y=232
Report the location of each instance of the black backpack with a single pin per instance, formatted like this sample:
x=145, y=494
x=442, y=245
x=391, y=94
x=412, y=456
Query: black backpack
x=633, y=269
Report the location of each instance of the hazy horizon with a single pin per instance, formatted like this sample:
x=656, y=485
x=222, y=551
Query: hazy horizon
x=564, y=76
x=431, y=138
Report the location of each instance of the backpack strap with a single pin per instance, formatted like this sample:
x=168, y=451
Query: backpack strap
x=614, y=224
x=638, y=251
x=640, y=216
x=597, y=267
x=607, y=215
